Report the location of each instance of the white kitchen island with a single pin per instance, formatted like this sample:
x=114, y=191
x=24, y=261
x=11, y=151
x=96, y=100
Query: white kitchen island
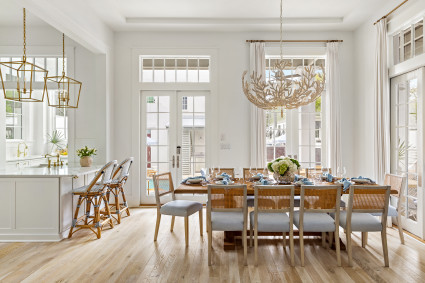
x=36, y=202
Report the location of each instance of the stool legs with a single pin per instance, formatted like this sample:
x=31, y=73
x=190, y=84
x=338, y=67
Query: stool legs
x=74, y=221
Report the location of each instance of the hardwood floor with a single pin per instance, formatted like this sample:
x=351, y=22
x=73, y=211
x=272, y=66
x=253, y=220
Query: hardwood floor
x=127, y=253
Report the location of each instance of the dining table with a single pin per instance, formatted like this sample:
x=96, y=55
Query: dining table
x=230, y=237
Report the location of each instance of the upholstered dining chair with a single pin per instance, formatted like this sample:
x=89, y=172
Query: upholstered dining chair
x=271, y=207
x=316, y=203
x=163, y=185
x=362, y=201
x=227, y=211
x=228, y=171
x=116, y=188
x=94, y=194
x=396, y=183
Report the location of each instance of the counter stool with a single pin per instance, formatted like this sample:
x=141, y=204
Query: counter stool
x=116, y=187
x=94, y=193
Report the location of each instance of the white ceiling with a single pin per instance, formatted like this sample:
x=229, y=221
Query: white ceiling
x=218, y=15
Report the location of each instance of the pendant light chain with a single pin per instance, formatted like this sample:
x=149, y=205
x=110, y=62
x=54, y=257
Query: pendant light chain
x=63, y=54
x=25, y=37
x=281, y=29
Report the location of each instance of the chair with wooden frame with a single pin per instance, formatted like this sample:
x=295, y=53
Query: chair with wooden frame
x=316, y=203
x=313, y=172
x=94, y=194
x=396, y=183
x=362, y=201
x=248, y=172
x=227, y=211
x=271, y=205
x=228, y=171
x=182, y=208
x=116, y=187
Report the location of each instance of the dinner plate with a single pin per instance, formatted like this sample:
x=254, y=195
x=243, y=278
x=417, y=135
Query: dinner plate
x=361, y=181
x=194, y=181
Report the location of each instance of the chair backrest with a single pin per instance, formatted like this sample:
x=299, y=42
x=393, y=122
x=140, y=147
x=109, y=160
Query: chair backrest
x=313, y=172
x=228, y=171
x=163, y=185
x=227, y=198
x=369, y=199
x=104, y=174
x=320, y=199
x=248, y=172
x=123, y=169
x=396, y=183
x=274, y=199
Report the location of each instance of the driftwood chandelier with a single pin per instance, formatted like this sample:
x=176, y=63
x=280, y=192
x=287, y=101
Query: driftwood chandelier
x=285, y=91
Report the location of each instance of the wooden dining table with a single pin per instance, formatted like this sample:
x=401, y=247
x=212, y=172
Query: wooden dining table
x=230, y=236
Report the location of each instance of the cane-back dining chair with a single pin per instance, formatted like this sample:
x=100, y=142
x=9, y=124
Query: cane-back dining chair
x=184, y=208
x=228, y=171
x=249, y=172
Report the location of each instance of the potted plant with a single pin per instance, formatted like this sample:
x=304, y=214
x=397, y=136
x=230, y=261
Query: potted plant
x=284, y=169
x=85, y=154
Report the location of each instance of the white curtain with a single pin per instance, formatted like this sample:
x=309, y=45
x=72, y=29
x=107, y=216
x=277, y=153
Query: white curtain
x=333, y=106
x=382, y=105
x=258, y=115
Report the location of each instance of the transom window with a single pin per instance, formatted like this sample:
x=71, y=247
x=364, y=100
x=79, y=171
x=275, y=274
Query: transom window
x=296, y=132
x=409, y=42
x=174, y=69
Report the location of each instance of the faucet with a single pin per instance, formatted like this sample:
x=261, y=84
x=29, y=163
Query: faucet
x=58, y=160
x=25, y=151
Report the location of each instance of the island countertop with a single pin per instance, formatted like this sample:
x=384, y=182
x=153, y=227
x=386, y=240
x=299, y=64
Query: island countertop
x=72, y=169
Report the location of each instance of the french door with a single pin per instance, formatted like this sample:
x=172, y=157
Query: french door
x=407, y=157
x=173, y=128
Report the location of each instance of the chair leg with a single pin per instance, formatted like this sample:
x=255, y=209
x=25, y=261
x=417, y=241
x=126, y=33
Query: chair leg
x=400, y=228
x=97, y=217
x=245, y=248
x=74, y=221
x=384, y=246
x=337, y=246
x=186, y=230
x=172, y=223
x=88, y=208
x=301, y=235
x=331, y=239
x=256, y=246
x=284, y=239
x=364, y=239
x=127, y=210
x=158, y=220
x=291, y=246
x=209, y=243
x=323, y=239
x=117, y=206
x=251, y=232
x=201, y=222
x=349, y=249
x=108, y=212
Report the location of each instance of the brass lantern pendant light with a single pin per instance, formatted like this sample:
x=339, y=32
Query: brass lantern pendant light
x=24, y=73
x=67, y=92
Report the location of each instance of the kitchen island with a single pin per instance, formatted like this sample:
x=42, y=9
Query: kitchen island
x=36, y=202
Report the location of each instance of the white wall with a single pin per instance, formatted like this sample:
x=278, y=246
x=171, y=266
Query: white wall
x=89, y=125
x=233, y=112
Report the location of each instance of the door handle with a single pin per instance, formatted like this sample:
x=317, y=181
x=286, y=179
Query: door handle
x=178, y=161
x=174, y=161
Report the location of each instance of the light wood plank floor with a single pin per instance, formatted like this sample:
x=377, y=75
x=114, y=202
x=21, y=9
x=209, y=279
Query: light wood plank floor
x=127, y=253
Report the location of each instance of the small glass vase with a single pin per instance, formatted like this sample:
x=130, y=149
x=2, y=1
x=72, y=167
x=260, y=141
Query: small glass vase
x=285, y=179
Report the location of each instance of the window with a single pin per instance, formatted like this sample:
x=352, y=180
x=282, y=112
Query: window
x=296, y=132
x=184, y=103
x=409, y=43
x=13, y=118
x=61, y=122
x=175, y=69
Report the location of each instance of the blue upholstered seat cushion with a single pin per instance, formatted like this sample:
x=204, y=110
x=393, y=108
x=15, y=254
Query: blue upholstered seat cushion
x=94, y=189
x=181, y=208
x=392, y=212
x=227, y=221
x=271, y=222
x=362, y=222
x=250, y=201
x=315, y=222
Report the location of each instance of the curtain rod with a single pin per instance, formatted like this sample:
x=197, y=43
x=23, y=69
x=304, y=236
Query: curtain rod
x=325, y=41
x=392, y=11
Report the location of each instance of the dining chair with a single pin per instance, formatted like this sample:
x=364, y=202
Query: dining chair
x=248, y=172
x=94, y=194
x=163, y=185
x=362, y=201
x=397, y=183
x=227, y=211
x=311, y=173
x=119, y=178
x=228, y=171
x=316, y=203
x=271, y=207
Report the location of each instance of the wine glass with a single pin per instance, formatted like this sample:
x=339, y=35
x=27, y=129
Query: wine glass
x=325, y=171
x=218, y=171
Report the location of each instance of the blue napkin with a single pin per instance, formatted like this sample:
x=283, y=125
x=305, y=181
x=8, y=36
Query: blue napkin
x=203, y=172
x=225, y=175
x=307, y=181
x=297, y=177
x=264, y=181
x=346, y=184
x=193, y=178
x=330, y=178
x=225, y=181
x=364, y=178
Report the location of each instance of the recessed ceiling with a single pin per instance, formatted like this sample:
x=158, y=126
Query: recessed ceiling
x=11, y=15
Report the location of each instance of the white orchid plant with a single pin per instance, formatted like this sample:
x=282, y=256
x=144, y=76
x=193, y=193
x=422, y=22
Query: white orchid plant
x=284, y=166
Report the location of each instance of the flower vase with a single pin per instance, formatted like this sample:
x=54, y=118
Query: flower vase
x=86, y=161
x=285, y=179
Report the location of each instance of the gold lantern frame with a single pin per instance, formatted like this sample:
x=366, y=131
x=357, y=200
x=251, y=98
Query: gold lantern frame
x=24, y=88
x=66, y=85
